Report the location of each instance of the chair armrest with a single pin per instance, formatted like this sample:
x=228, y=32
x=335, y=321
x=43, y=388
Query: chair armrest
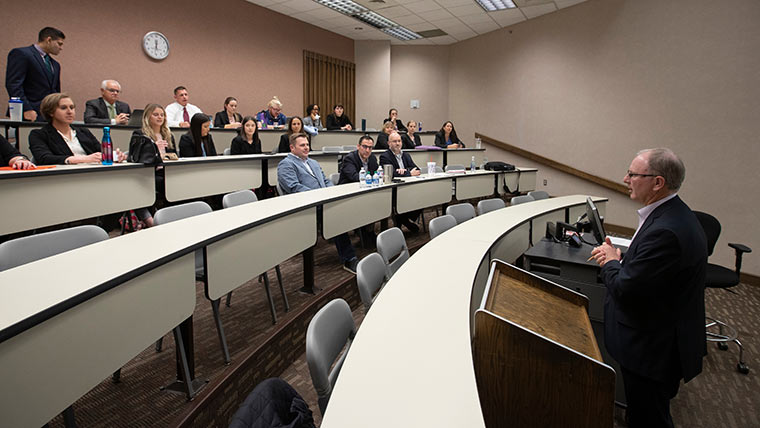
x=740, y=248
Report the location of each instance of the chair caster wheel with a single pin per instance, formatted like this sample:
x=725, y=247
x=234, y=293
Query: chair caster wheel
x=743, y=368
x=722, y=346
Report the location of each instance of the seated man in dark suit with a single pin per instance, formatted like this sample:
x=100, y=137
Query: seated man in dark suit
x=31, y=73
x=403, y=166
x=654, y=311
x=297, y=173
x=349, y=173
x=107, y=109
x=11, y=157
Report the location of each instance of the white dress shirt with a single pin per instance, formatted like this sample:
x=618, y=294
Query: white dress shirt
x=644, y=212
x=74, y=145
x=174, y=113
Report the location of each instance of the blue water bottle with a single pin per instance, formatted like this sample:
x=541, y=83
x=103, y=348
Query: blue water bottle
x=106, y=147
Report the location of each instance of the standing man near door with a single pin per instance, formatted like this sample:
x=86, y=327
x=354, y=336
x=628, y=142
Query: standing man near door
x=32, y=74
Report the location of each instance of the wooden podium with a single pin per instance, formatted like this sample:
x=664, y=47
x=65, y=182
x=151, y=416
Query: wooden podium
x=536, y=360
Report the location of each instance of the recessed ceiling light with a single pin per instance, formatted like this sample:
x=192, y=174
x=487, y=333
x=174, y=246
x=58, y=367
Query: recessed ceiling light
x=361, y=13
x=494, y=5
x=401, y=33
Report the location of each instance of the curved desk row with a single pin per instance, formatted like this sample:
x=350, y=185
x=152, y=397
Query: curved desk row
x=411, y=362
x=65, y=193
x=54, y=311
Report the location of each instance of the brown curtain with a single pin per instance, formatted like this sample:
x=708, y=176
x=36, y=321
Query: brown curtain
x=328, y=81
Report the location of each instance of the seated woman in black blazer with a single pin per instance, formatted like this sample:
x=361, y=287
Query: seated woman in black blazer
x=197, y=142
x=248, y=142
x=338, y=120
x=411, y=139
x=382, y=137
x=229, y=117
x=11, y=157
x=57, y=142
x=295, y=125
x=393, y=118
x=447, y=138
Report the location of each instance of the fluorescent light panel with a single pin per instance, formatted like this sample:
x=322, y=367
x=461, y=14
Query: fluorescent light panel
x=361, y=13
x=494, y=5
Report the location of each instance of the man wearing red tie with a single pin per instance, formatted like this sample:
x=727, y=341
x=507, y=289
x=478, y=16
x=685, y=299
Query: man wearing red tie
x=179, y=112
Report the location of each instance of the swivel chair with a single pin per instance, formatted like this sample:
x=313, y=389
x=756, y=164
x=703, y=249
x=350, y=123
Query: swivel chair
x=722, y=277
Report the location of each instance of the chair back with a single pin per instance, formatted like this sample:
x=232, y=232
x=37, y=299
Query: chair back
x=391, y=245
x=335, y=177
x=711, y=226
x=424, y=169
x=240, y=197
x=517, y=200
x=179, y=212
x=489, y=205
x=27, y=249
x=349, y=148
x=462, y=212
x=332, y=148
x=227, y=152
x=454, y=167
x=370, y=276
x=329, y=331
x=538, y=195
x=441, y=224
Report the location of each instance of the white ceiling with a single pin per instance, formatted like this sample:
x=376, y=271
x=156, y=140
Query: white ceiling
x=460, y=19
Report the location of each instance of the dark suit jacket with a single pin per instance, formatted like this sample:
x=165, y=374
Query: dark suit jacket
x=654, y=309
x=7, y=152
x=389, y=158
x=27, y=77
x=284, y=145
x=352, y=164
x=439, y=140
x=96, y=111
x=222, y=119
x=335, y=123
x=382, y=142
x=187, y=147
x=48, y=147
x=408, y=143
x=240, y=146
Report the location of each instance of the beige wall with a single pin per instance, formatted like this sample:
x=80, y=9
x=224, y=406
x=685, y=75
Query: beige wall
x=592, y=84
x=373, y=81
x=421, y=73
x=219, y=49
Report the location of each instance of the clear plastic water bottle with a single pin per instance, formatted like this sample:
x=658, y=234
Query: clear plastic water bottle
x=473, y=167
x=362, y=177
x=106, y=147
x=368, y=180
x=380, y=177
x=375, y=179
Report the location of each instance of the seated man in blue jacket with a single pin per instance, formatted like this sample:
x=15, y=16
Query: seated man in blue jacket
x=297, y=173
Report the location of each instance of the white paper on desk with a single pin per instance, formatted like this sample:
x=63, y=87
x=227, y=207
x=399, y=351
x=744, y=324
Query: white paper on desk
x=620, y=242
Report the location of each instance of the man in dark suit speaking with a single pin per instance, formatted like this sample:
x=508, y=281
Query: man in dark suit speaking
x=31, y=72
x=107, y=109
x=654, y=310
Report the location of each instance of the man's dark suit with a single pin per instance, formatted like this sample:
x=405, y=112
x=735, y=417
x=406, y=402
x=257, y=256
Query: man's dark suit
x=27, y=77
x=388, y=157
x=654, y=309
x=352, y=164
x=97, y=112
x=49, y=148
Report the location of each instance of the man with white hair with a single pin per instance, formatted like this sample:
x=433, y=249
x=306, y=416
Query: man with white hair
x=107, y=109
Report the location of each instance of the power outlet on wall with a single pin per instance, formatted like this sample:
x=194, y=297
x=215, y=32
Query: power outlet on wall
x=546, y=182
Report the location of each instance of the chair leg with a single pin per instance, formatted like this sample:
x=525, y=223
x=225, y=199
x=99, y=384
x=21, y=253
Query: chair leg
x=159, y=344
x=269, y=297
x=68, y=418
x=220, y=330
x=185, y=372
x=282, y=288
x=229, y=298
x=116, y=376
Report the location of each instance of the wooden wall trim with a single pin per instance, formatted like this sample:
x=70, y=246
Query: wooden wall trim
x=616, y=187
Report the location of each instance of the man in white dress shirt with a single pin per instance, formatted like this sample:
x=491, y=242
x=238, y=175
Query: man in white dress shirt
x=180, y=111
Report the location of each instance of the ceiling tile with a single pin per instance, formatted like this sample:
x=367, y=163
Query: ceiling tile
x=436, y=15
x=443, y=40
x=265, y=3
x=452, y=3
x=323, y=13
x=303, y=5
x=538, y=10
x=484, y=27
x=476, y=19
x=422, y=27
x=422, y=6
x=393, y=12
x=342, y=21
x=409, y=20
x=462, y=35
x=283, y=9
x=467, y=9
x=506, y=18
x=567, y=3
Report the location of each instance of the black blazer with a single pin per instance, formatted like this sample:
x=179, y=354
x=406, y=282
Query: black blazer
x=27, y=77
x=284, y=145
x=382, y=142
x=440, y=142
x=7, y=152
x=399, y=125
x=138, y=135
x=352, y=164
x=96, y=111
x=654, y=311
x=388, y=158
x=187, y=146
x=333, y=122
x=408, y=143
x=222, y=119
x=48, y=147
x=240, y=146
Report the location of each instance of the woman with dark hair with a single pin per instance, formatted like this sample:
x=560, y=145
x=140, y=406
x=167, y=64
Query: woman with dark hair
x=248, y=142
x=295, y=125
x=312, y=122
x=447, y=138
x=411, y=139
x=197, y=142
x=339, y=121
x=393, y=118
x=229, y=117
x=58, y=142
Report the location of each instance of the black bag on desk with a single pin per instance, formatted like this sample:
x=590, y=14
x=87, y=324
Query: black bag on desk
x=142, y=150
x=498, y=166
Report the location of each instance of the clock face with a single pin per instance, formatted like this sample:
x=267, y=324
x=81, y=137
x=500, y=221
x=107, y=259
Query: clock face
x=156, y=45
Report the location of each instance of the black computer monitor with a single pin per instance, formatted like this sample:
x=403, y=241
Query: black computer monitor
x=596, y=221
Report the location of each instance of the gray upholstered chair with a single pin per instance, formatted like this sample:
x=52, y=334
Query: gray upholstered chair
x=424, y=169
x=27, y=249
x=462, y=212
x=246, y=196
x=517, y=200
x=331, y=329
x=538, y=195
x=227, y=152
x=441, y=224
x=391, y=245
x=349, y=148
x=370, y=277
x=488, y=205
x=335, y=177
x=454, y=167
x=332, y=149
